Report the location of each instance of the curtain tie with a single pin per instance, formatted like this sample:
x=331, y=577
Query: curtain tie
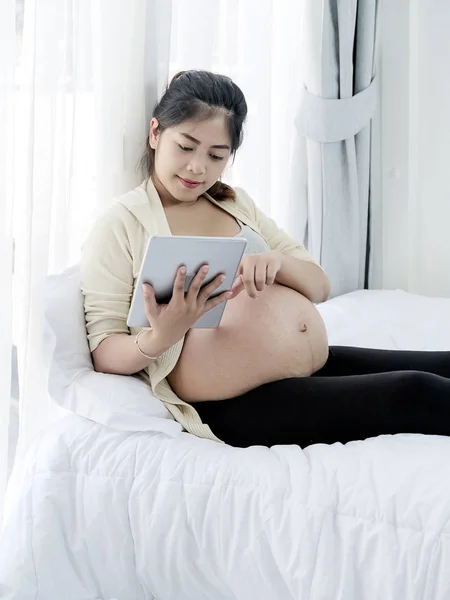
x=329, y=120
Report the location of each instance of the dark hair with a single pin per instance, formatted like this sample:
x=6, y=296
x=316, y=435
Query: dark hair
x=199, y=95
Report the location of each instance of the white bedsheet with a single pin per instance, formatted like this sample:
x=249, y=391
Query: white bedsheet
x=94, y=513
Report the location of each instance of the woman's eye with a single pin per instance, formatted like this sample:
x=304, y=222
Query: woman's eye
x=188, y=149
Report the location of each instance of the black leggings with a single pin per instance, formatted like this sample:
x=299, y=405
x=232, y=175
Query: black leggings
x=359, y=393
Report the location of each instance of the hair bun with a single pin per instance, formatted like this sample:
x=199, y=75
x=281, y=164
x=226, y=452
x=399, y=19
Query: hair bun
x=176, y=76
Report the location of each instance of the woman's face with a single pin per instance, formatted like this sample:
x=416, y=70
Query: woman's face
x=189, y=158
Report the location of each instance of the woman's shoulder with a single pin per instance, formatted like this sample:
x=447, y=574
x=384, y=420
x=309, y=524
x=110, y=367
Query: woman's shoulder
x=243, y=202
x=144, y=205
x=116, y=226
x=130, y=211
x=133, y=199
x=115, y=220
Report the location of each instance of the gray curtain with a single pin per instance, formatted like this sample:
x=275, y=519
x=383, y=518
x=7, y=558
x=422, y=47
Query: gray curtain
x=337, y=105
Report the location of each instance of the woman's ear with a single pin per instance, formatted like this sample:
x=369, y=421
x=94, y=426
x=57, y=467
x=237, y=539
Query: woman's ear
x=154, y=133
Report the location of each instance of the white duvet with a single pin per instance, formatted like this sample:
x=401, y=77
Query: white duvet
x=96, y=513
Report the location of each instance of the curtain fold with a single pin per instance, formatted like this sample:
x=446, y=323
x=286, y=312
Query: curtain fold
x=87, y=78
x=7, y=65
x=339, y=49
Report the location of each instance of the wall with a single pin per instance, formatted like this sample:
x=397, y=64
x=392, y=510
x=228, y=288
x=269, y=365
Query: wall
x=411, y=219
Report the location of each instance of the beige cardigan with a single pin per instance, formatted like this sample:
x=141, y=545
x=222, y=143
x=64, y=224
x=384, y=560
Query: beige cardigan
x=111, y=259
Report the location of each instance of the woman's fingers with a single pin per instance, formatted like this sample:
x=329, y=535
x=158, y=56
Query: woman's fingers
x=151, y=306
x=209, y=289
x=260, y=276
x=237, y=287
x=271, y=273
x=217, y=300
x=248, y=277
x=178, y=286
x=197, y=283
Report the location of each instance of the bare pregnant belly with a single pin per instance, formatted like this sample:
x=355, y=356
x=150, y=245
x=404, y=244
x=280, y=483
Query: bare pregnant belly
x=278, y=335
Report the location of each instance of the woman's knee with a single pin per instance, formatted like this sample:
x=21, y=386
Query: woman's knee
x=417, y=383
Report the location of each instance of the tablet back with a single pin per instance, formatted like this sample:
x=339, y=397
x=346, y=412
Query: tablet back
x=163, y=257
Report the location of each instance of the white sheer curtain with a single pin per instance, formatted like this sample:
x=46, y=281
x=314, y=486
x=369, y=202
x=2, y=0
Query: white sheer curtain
x=412, y=242
x=88, y=75
x=7, y=62
x=258, y=44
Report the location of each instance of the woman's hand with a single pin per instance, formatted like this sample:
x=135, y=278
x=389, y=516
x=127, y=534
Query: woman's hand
x=170, y=322
x=257, y=271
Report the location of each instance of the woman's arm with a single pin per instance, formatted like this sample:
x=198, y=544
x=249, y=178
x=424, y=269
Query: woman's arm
x=119, y=354
x=107, y=285
x=299, y=270
x=304, y=277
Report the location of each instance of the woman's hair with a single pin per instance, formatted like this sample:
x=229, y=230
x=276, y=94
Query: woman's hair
x=198, y=96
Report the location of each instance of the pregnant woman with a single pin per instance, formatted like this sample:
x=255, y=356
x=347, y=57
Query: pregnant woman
x=266, y=375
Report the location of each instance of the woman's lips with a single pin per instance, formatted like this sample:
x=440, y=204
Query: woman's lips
x=189, y=184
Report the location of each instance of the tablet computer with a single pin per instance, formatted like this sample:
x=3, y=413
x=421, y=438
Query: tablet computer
x=166, y=254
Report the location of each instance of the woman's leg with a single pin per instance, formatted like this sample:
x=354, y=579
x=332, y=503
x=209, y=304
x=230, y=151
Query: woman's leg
x=344, y=360
x=311, y=410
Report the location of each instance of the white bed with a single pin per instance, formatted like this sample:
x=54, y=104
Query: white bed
x=115, y=502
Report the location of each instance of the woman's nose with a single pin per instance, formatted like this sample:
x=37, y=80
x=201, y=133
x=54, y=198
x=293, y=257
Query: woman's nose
x=197, y=166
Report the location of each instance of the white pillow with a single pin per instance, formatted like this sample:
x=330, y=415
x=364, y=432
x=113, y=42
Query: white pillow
x=118, y=401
